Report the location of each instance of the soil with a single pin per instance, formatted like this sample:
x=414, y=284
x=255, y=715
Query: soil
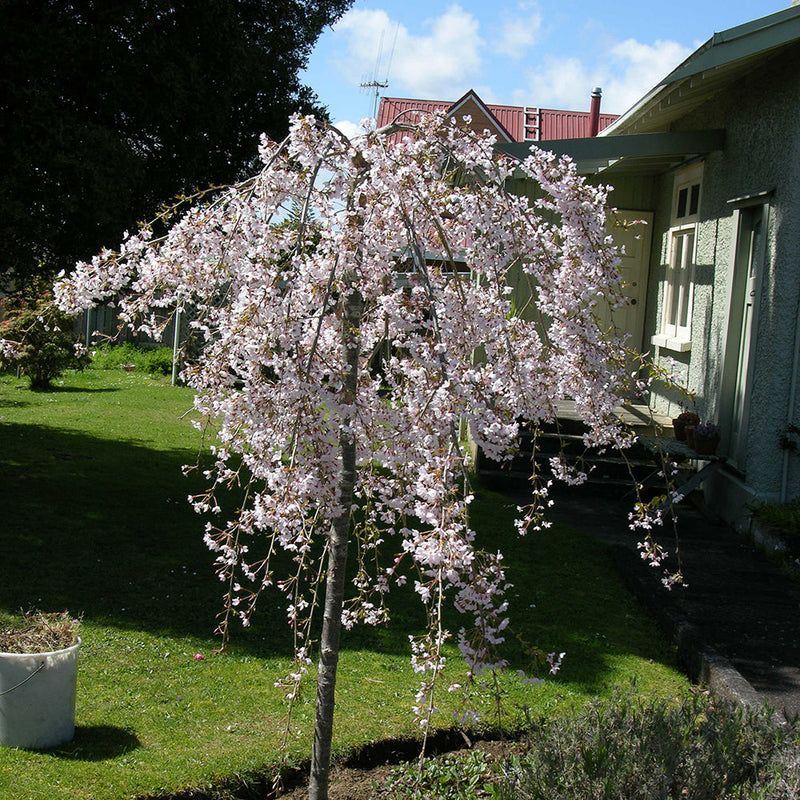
x=357, y=781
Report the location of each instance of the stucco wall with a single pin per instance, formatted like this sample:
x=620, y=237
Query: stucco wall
x=761, y=118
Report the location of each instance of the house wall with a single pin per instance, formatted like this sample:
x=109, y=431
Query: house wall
x=761, y=118
x=628, y=193
x=633, y=193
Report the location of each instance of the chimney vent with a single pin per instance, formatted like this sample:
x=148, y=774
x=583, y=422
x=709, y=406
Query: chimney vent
x=594, y=111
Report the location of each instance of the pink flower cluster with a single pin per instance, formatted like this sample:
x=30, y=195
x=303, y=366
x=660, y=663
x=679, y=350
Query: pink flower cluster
x=479, y=311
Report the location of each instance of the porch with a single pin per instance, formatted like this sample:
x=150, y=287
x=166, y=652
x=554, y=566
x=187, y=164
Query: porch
x=606, y=469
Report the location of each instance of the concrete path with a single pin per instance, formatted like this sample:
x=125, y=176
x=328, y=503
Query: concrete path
x=736, y=624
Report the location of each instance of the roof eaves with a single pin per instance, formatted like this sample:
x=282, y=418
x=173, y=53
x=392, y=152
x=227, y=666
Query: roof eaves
x=655, y=150
x=750, y=39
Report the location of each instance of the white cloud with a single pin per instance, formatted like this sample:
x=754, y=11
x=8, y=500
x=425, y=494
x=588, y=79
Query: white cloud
x=557, y=83
x=440, y=65
x=643, y=66
x=350, y=129
x=446, y=55
x=516, y=35
x=634, y=68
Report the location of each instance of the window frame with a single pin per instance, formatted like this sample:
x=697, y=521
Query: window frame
x=677, y=289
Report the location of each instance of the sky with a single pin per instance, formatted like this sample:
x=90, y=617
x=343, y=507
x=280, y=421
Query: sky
x=544, y=53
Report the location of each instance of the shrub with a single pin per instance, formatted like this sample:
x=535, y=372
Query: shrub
x=38, y=339
x=696, y=749
x=782, y=781
x=115, y=356
x=450, y=777
x=160, y=361
x=784, y=517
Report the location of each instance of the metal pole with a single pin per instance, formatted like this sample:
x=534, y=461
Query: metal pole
x=176, y=340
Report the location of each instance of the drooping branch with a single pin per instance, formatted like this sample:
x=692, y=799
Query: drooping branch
x=285, y=369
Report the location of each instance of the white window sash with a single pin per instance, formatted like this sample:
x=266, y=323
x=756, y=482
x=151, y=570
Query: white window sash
x=676, y=308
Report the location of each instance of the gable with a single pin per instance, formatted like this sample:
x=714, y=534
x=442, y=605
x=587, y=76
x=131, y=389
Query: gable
x=481, y=118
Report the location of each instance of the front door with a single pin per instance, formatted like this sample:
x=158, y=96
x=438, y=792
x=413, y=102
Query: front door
x=749, y=254
x=633, y=241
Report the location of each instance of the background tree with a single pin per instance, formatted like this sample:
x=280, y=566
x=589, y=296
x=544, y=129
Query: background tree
x=36, y=337
x=108, y=109
x=334, y=456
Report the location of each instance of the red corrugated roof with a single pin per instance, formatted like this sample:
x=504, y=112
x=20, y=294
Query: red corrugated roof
x=569, y=124
x=391, y=107
x=521, y=123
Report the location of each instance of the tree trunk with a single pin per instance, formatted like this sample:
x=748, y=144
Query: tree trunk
x=337, y=562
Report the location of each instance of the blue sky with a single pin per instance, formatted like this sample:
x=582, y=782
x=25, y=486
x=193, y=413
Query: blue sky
x=548, y=53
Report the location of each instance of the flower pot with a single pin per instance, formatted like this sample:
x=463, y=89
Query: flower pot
x=690, y=437
x=679, y=427
x=706, y=445
x=37, y=698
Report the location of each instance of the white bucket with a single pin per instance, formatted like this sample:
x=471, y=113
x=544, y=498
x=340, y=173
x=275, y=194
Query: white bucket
x=37, y=698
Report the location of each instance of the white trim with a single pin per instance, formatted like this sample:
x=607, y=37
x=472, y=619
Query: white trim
x=677, y=287
x=490, y=117
x=678, y=298
x=686, y=180
x=671, y=343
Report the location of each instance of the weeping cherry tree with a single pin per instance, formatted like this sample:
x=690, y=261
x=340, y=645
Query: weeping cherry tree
x=343, y=361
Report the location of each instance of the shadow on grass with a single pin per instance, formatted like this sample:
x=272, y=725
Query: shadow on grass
x=103, y=528
x=55, y=389
x=97, y=743
x=14, y=403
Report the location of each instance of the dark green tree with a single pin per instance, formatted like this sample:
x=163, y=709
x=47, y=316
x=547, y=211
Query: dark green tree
x=109, y=108
x=38, y=337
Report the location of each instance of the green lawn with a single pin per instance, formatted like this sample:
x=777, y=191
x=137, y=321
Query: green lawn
x=95, y=519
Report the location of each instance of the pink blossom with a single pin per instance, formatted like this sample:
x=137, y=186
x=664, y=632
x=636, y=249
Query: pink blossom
x=427, y=233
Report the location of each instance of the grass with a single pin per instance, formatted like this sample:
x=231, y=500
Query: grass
x=95, y=521
x=783, y=517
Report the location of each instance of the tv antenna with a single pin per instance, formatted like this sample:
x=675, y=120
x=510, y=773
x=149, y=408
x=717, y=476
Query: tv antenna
x=375, y=83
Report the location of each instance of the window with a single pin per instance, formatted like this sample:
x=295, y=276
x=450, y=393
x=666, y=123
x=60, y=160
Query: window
x=677, y=288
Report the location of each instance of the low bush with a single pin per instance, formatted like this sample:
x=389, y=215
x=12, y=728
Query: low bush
x=783, y=517
x=36, y=338
x=474, y=776
x=152, y=360
x=159, y=361
x=626, y=749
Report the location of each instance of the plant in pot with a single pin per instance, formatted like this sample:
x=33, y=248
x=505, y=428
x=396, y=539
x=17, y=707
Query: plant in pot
x=38, y=680
x=680, y=423
x=706, y=438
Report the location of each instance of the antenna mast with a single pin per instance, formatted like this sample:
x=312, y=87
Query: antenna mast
x=376, y=84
